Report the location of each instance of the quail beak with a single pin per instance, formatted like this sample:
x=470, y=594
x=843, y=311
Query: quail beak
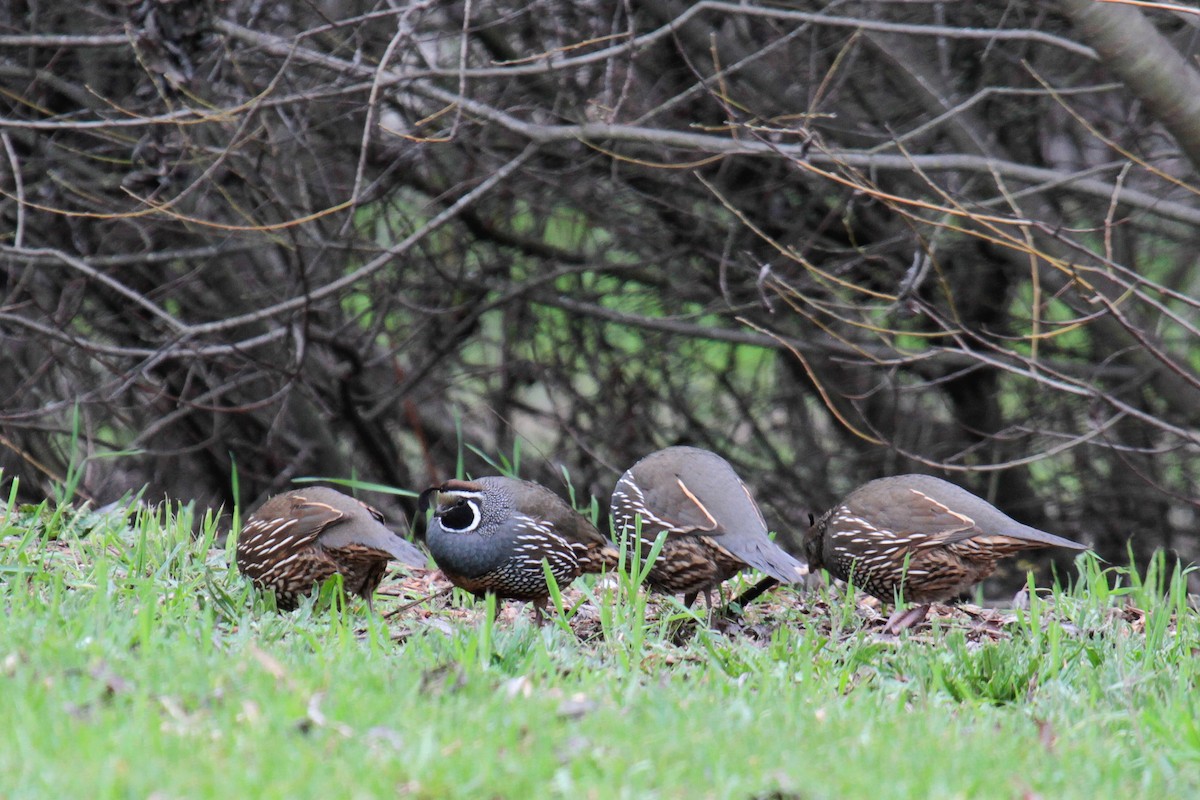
x=444, y=501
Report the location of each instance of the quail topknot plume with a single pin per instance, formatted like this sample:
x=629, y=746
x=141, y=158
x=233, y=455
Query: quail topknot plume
x=918, y=536
x=491, y=535
x=297, y=539
x=714, y=528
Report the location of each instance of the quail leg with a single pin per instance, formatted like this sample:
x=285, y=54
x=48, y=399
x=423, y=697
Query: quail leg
x=710, y=611
x=541, y=610
x=906, y=618
x=756, y=591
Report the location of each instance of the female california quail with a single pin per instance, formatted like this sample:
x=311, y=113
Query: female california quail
x=918, y=536
x=714, y=528
x=297, y=539
x=490, y=535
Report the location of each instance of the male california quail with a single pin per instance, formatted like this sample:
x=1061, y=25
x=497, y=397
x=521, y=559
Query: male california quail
x=297, y=539
x=920, y=536
x=490, y=535
x=714, y=528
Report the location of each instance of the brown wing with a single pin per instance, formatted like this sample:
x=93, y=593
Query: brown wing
x=364, y=530
x=591, y=548
x=912, y=517
x=313, y=518
x=284, y=526
x=540, y=503
x=676, y=508
x=991, y=547
x=946, y=513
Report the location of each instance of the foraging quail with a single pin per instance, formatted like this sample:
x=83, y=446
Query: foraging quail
x=714, y=528
x=297, y=539
x=920, y=536
x=491, y=535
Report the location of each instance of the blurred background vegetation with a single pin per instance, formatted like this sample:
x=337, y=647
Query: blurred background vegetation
x=831, y=241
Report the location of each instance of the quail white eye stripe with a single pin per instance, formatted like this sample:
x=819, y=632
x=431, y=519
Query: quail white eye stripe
x=452, y=495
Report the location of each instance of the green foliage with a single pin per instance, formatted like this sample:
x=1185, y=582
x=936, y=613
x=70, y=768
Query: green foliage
x=133, y=653
x=1058, y=328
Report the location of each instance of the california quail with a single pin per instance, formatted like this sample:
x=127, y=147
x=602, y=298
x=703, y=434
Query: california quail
x=920, y=536
x=490, y=535
x=714, y=528
x=297, y=539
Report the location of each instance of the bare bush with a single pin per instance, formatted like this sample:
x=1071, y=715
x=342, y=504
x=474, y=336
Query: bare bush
x=829, y=241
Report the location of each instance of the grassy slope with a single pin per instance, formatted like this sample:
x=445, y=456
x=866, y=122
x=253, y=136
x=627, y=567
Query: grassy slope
x=134, y=663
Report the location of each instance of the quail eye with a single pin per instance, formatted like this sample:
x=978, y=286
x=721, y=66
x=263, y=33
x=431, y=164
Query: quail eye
x=462, y=516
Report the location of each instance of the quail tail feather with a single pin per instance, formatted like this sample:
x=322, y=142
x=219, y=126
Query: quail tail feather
x=1033, y=535
x=379, y=538
x=766, y=557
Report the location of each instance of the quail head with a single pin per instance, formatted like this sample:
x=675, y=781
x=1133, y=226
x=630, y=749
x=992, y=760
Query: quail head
x=297, y=539
x=491, y=535
x=920, y=537
x=714, y=528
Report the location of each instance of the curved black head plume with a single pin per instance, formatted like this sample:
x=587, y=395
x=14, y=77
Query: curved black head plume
x=424, y=500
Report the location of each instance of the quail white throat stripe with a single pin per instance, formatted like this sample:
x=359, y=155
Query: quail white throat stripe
x=472, y=502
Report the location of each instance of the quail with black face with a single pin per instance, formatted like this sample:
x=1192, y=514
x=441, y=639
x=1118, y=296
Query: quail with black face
x=713, y=526
x=491, y=535
x=297, y=539
x=919, y=537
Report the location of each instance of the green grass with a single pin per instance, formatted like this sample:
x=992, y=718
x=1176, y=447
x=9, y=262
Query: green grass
x=134, y=663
